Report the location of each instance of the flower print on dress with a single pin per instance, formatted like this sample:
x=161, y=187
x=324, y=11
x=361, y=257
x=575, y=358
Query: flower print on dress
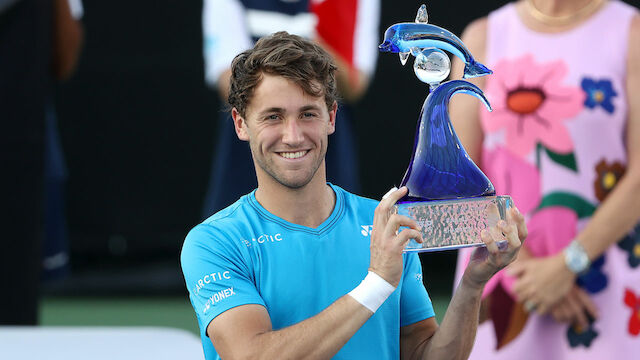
x=578, y=336
x=512, y=175
x=599, y=93
x=551, y=229
x=631, y=244
x=633, y=301
x=607, y=176
x=531, y=103
x=594, y=279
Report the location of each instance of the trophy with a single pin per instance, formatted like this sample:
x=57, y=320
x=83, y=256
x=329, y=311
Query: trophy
x=450, y=198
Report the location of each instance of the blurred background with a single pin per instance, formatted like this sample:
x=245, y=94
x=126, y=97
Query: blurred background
x=137, y=127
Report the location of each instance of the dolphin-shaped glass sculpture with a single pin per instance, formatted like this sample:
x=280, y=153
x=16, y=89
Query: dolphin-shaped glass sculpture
x=440, y=168
x=411, y=38
x=449, y=197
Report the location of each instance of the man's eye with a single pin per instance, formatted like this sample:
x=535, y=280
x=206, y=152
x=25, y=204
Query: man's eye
x=309, y=114
x=272, y=117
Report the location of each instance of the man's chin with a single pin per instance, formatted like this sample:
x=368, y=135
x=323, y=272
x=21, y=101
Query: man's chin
x=294, y=184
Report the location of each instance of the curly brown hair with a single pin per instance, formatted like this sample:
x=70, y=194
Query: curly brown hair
x=290, y=56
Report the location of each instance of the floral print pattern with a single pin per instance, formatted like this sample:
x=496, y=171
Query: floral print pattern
x=607, y=177
x=599, y=93
x=581, y=337
x=531, y=103
x=633, y=301
x=594, y=280
x=544, y=237
x=631, y=244
x=513, y=176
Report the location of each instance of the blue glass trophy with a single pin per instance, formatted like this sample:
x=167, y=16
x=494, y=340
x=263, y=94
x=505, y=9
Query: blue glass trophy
x=451, y=199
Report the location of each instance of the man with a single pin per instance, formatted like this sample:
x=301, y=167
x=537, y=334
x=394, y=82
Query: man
x=276, y=274
x=352, y=40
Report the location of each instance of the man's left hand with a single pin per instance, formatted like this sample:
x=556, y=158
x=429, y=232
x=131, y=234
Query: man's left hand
x=502, y=243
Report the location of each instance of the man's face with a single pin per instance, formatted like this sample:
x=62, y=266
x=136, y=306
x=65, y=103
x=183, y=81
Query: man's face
x=287, y=130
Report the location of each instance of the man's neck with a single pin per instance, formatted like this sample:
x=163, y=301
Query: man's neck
x=309, y=205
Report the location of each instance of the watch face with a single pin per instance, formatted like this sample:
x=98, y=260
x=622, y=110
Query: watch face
x=576, y=258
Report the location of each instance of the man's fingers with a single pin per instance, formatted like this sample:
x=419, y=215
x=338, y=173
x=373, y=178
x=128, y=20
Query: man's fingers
x=489, y=241
x=498, y=237
x=511, y=233
x=392, y=196
x=383, y=210
x=515, y=216
x=395, y=221
x=391, y=191
x=407, y=234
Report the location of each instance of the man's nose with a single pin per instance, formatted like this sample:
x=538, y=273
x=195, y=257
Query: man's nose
x=292, y=133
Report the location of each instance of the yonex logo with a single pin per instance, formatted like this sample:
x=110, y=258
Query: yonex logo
x=366, y=230
x=220, y=295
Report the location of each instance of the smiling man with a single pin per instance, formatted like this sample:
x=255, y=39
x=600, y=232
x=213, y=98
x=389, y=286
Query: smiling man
x=287, y=271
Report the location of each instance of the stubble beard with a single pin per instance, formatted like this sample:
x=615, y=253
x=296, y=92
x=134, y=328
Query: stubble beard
x=280, y=178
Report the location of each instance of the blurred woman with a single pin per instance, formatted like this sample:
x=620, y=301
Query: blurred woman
x=564, y=141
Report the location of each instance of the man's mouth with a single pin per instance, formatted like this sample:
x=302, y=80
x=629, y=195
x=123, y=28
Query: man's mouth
x=293, y=155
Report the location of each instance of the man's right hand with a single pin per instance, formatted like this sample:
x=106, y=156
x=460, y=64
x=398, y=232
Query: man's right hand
x=387, y=243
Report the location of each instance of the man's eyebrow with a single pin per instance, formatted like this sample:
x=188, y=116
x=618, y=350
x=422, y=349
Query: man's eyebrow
x=272, y=110
x=309, y=107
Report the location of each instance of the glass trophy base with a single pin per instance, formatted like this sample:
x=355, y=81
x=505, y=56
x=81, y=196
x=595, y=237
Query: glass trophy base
x=453, y=224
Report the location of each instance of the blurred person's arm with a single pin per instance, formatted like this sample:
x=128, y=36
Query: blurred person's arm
x=546, y=280
x=464, y=110
x=356, y=64
x=225, y=35
x=352, y=82
x=68, y=36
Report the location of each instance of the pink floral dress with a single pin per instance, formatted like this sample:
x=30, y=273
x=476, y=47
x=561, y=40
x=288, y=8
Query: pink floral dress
x=555, y=143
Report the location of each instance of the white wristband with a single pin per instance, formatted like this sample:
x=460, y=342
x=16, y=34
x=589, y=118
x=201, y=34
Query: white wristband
x=372, y=291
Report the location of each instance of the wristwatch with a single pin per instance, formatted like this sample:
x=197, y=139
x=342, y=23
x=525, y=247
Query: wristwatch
x=576, y=258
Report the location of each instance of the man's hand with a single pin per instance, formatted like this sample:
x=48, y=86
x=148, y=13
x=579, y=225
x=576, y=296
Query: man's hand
x=502, y=244
x=387, y=243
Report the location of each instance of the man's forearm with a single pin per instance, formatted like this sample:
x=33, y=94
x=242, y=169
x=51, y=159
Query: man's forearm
x=455, y=336
x=319, y=337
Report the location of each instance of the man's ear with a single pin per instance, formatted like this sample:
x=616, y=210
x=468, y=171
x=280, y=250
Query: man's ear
x=332, y=118
x=240, y=125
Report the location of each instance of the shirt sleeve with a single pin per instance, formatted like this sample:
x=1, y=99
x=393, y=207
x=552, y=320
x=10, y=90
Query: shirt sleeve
x=225, y=35
x=216, y=273
x=367, y=36
x=76, y=8
x=415, y=304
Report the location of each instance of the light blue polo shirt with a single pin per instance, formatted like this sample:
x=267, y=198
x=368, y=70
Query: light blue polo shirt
x=246, y=255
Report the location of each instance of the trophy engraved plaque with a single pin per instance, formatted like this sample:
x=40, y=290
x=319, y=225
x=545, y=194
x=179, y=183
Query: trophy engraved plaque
x=451, y=199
